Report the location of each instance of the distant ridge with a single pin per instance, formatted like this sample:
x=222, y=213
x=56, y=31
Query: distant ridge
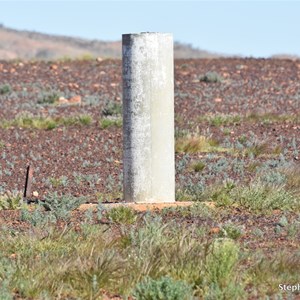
x=23, y=44
x=286, y=56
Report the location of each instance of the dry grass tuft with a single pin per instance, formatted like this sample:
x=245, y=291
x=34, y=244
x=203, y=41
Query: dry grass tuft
x=197, y=143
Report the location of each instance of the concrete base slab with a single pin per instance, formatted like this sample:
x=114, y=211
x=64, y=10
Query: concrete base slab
x=137, y=206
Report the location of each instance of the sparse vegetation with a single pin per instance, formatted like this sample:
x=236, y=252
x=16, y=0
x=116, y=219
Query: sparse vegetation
x=122, y=215
x=61, y=206
x=49, y=97
x=197, y=143
x=229, y=230
x=112, y=109
x=238, y=163
x=45, y=123
x=164, y=288
x=107, y=123
x=257, y=197
x=211, y=77
x=198, y=166
x=222, y=119
x=11, y=200
x=221, y=277
x=5, y=89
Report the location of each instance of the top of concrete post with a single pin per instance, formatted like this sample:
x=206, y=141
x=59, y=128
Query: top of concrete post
x=127, y=37
x=147, y=32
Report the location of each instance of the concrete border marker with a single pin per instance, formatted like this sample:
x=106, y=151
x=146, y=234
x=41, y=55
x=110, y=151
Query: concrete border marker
x=148, y=118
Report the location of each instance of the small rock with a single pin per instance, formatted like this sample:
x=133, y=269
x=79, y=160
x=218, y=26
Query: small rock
x=63, y=100
x=53, y=67
x=35, y=194
x=75, y=100
x=218, y=100
x=99, y=59
x=214, y=230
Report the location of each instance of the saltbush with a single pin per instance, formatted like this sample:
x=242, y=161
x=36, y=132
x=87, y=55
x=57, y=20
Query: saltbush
x=164, y=288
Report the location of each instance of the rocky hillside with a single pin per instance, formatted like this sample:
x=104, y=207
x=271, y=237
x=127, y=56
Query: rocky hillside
x=17, y=44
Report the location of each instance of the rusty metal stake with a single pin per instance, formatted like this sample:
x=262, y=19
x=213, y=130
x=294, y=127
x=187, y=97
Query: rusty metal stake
x=29, y=175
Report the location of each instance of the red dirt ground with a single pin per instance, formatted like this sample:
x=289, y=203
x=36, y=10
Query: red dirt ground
x=90, y=158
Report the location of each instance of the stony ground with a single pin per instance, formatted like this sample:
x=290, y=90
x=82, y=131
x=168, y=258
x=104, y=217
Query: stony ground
x=88, y=157
x=64, y=119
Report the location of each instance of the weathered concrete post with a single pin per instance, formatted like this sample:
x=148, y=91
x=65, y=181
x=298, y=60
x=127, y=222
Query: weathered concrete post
x=148, y=117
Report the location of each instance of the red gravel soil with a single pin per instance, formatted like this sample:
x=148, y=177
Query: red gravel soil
x=90, y=157
x=86, y=160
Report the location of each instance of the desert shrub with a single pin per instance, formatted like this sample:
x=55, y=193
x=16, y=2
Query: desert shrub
x=112, y=108
x=222, y=119
x=61, y=206
x=257, y=196
x=221, y=262
x=222, y=194
x=37, y=217
x=190, y=191
x=85, y=119
x=107, y=122
x=5, y=89
x=283, y=266
x=292, y=176
x=88, y=277
x=258, y=149
x=75, y=120
x=211, y=77
x=11, y=200
x=231, y=291
x=261, y=197
x=7, y=270
x=48, y=97
x=198, y=209
x=86, y=57
x=164, y=288
x=122, y=215
x=231, y=231
x=57, y=182
x=198, y=166
x=26, y=120
x=273, y=177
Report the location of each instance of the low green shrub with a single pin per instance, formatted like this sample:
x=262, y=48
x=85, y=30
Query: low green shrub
x=49, y=97
x=164, y=288
x=107, y=122
x=11, y=200
x=211, y=77
x=61, y=206
x=5, y=89
x=231, y=231
x=122, y=215
x=221, y=262
x=112, y=108
x=257, y=196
